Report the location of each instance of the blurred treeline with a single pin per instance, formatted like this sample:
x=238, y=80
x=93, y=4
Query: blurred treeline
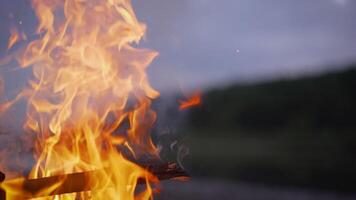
x=326, y=102
x=297, y=132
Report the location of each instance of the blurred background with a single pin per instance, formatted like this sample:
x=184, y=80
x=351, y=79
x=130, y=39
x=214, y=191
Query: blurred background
x=277, y=119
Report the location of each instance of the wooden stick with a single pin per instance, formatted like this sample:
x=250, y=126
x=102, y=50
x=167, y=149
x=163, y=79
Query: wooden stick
x=78, y=182
x=2, y=192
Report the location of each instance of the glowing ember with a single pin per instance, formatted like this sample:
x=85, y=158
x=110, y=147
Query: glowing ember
x=89, y=98
x=192, y=101
x=14, y=37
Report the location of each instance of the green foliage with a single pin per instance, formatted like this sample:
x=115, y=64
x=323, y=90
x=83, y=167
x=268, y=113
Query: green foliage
x=313, y=103
x=297, y=132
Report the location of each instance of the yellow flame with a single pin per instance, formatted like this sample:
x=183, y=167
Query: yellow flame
x=89, y=83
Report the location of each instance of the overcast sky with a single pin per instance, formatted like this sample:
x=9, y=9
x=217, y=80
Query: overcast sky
x=209, y=42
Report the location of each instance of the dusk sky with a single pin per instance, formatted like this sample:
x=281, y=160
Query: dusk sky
x=207, y=42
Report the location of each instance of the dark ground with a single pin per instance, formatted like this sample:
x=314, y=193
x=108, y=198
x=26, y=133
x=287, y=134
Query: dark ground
x=295, y=133
x=203, y=189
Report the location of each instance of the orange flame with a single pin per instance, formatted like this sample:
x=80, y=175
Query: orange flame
x=89, y=97
x=14, y=37
x=192, y=101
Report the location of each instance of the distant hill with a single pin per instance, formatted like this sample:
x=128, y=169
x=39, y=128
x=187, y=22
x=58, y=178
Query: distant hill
x=324, y=102
x=297, y=132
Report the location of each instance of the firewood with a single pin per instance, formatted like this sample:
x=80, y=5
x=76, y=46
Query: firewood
x=78, y=182
x=2, y=177
x=2, y=192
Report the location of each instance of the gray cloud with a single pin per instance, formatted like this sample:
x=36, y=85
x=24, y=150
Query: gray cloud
x=198, y=39
x=275, y=38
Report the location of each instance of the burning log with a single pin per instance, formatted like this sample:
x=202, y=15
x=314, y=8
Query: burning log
x=2, y=193
x=77, y=182
x=88, y=103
